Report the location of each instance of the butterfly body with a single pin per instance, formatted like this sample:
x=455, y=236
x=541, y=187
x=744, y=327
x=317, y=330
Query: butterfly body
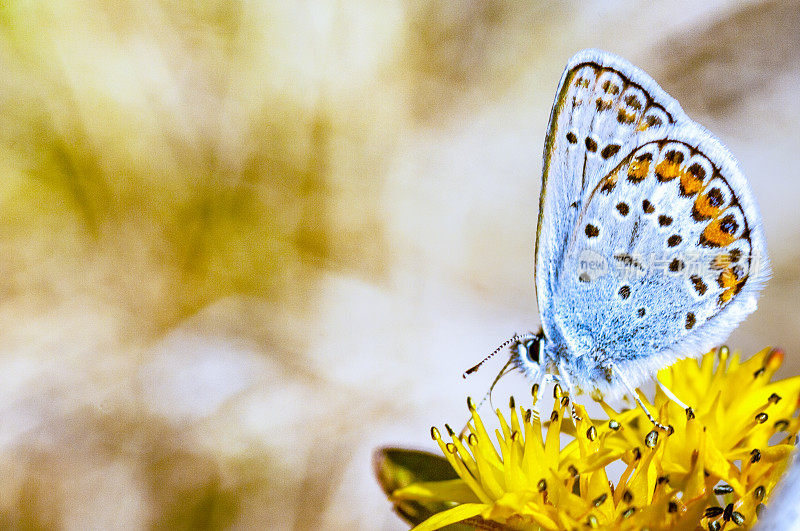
x=649, y=246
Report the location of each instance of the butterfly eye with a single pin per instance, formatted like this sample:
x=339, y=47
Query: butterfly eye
x=532, y=350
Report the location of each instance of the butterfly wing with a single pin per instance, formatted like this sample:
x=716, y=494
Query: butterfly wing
x=667, y=256
x=603, y=102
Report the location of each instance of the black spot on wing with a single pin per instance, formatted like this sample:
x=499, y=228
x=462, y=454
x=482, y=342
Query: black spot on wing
x=610, y=150
x=698, y=284
x=676, y=265
x=674, y=240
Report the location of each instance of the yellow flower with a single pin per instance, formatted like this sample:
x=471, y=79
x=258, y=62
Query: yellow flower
x=714, y=469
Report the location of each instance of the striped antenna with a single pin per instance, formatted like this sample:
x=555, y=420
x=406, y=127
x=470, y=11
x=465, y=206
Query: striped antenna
x=503, y=345
x=516, y=338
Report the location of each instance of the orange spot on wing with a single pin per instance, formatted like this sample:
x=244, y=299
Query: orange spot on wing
x=692, y=180
x=725, y=296
x=666, y=170
x=690, y=184
x=727, y=279
x=731, y=285
x=703, y=209
x=639, y=167
x=625, y=117
x=714, y=236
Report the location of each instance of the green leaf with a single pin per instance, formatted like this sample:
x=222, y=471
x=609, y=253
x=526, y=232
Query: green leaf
x=396, y=468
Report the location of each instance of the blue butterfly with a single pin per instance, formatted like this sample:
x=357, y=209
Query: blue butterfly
x=649, y=246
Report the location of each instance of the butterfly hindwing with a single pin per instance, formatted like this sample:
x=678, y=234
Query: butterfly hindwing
x=602, y=104
x=666, y=257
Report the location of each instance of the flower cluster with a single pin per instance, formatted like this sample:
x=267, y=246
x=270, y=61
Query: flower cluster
x=712, y=469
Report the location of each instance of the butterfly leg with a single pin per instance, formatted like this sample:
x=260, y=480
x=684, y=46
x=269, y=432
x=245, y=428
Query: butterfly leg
x=546, y=380
x=564, y=375
x=671, y=396
x=629, y=388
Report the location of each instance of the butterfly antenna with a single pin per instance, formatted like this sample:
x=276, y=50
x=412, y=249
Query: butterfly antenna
x=505, y=370
x=505, y=343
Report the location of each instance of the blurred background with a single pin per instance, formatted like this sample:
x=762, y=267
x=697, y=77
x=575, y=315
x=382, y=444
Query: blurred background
x=242, y=244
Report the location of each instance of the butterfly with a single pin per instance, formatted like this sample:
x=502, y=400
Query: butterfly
x=649, y=246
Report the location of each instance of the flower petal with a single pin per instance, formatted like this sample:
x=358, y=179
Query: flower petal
x=453, y=490
x=451, y=516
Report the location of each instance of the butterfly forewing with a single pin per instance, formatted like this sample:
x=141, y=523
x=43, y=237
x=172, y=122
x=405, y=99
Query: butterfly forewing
x=603, y=103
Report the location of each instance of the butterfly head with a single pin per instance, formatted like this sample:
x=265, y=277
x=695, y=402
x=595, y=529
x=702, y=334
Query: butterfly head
x=529, y=355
